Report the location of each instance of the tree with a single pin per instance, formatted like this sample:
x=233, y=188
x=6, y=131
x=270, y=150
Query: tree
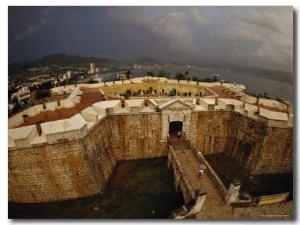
x=180, y=76
x=16, y=105
x=46, y=85
x=150, y=74
x=195, y=79
x=163, y=74
x=173, y=92
x=42, y=94
x=64, y=82
x=91, y=81
x=128, y=74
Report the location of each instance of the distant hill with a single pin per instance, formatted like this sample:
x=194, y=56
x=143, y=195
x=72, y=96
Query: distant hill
x=66, y=60
x=147, y=61
x=61, y=59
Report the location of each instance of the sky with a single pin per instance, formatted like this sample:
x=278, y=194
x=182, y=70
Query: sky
x=256, y=36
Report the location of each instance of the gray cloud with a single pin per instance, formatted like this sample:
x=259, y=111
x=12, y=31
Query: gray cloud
x=18, y=37
x=34, y=28
x=172, y=24
x=250, y=36
x=264, y=35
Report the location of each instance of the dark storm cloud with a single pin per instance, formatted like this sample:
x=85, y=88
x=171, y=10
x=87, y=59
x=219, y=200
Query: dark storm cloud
x=255, y=36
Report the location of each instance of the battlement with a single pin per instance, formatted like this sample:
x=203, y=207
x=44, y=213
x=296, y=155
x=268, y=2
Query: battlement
x=78, y=125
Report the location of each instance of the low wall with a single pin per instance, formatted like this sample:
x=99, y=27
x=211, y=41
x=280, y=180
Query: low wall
x=272, y=103
x=272, y=199
x=69, y=102
x=248, y=99
x=181, y=183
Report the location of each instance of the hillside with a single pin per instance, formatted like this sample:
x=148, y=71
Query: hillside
x=61, y=59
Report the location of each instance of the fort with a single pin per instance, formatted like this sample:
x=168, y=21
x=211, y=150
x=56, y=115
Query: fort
x=74, y=157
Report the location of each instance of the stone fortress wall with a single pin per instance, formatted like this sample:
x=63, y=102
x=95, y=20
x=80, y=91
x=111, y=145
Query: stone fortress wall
x=75, y=157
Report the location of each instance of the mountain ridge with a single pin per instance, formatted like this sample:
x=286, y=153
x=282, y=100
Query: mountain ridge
x=62, y=59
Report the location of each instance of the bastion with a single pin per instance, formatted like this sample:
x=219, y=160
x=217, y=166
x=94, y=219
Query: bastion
x=75, y=157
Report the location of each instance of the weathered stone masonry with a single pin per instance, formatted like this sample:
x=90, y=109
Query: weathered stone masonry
x=82, y=167
x=250, y=143
x=136, y=136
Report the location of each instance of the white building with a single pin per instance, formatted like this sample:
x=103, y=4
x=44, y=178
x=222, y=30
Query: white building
x=23, y=95
x=69, y=74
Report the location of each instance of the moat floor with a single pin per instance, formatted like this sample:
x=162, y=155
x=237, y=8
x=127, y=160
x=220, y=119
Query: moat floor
x=256, y=185
x=138, y=189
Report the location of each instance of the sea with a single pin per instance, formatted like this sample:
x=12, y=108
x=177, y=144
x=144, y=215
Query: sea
x=254, y=84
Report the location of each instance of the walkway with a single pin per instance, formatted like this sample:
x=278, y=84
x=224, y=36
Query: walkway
x=89, y=96
x=214, y=206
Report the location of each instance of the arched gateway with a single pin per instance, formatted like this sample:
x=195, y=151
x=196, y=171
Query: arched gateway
x=175, y=110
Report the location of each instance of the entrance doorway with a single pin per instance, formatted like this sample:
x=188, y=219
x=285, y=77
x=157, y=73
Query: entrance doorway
x=174, y=127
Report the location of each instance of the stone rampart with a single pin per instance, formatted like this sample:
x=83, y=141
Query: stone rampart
x=243, y=139
x=77, y=163
x=75, y=157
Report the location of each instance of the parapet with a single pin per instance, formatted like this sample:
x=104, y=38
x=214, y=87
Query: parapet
x=271, y=118
x=230, y=104
x=22, y=136
x=66, y=129
x=208, y=103
x=78, y=125
x=69, y=102
x=272, y=103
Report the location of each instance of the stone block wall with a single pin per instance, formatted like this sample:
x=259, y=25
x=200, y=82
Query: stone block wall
x=250, y=143
x=49, y=173
x=277, y=151
x=82, y=167
x=208, y=131
x=244, y=141
x=137, y=136
x=62, y=171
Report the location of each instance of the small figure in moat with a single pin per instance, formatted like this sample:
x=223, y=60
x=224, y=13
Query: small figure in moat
x=200, y=173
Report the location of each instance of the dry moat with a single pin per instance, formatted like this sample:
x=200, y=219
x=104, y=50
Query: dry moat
x=138, y=189
x=144, y=189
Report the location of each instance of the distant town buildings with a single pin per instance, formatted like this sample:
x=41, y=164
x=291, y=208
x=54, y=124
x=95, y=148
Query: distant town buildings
x=92, y=68
x=23, y=95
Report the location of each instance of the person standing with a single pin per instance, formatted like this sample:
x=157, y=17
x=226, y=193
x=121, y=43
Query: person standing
x=200, y=173
x=179, y=134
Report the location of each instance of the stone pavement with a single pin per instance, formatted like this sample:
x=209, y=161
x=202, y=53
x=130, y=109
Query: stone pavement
x=214, y=206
